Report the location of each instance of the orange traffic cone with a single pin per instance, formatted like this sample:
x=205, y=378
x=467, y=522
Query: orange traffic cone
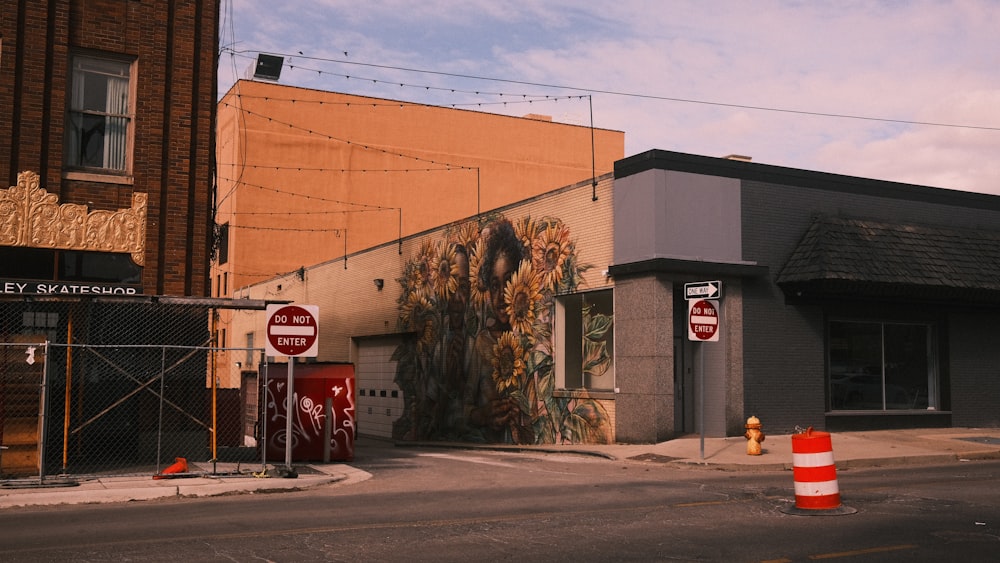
x=180, y=466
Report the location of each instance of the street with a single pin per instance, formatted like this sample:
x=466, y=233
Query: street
x=442, y=504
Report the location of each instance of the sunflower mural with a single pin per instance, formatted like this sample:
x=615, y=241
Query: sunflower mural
x=479, y=303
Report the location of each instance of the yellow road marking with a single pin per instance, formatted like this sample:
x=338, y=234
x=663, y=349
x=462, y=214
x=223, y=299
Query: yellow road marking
x=882, y=549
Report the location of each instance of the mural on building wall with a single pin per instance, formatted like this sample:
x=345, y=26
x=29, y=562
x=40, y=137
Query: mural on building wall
x=480, y=366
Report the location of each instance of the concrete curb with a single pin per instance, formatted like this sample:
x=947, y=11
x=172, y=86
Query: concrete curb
x=112, y=490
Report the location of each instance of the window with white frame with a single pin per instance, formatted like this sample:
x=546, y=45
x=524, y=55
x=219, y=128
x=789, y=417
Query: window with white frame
x=248, y=360
x=99, y=124
x=881, y=366
x=584, y=339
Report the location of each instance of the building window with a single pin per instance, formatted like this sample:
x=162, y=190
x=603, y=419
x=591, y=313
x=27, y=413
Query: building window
x=43, y=264
x=882, y=366
x=99, y=128
x=584, y=339
x=28, y=263
x=248, y=360
x=223, y=241
x=110, y=267
x=39, y=323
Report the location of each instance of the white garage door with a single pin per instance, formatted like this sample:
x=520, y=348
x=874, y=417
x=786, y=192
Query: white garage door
x=380, y=401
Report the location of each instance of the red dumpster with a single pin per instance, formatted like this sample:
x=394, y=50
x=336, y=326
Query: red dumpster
x=323, y=421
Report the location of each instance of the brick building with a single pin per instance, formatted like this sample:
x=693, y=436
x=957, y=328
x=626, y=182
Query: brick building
x=106, y=157
x=108, y=108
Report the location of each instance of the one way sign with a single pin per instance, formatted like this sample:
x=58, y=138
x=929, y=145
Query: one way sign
x=703, y=290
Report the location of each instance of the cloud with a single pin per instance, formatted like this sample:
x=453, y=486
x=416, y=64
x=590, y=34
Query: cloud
x=923, y=60
x=955, y=158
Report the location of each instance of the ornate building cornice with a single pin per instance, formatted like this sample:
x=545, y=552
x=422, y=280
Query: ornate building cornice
x=32, y=217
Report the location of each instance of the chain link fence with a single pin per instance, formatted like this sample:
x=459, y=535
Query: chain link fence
x=118, y=387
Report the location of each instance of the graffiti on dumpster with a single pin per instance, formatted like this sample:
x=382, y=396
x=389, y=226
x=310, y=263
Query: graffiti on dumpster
x=309, y=419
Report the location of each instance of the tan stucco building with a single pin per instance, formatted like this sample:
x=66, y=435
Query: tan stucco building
x=308, y=176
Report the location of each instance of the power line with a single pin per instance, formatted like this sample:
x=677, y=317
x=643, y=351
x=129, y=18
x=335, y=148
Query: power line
x=341, y=170
x=535, y=97
x=637, y=95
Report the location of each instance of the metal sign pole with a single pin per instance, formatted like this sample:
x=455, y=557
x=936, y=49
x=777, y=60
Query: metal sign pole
x=44, y=409
x=262, y=436
x=701, y=396
x=289, y=409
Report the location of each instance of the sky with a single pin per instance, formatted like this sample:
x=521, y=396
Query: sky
x=900, y=90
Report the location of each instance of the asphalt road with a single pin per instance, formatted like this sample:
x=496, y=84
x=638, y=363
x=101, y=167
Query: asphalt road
x=433, y=504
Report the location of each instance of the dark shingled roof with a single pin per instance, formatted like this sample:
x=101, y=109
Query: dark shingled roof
x=844, y=256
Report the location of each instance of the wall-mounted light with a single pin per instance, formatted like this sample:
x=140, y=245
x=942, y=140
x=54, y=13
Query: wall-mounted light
x=379, y=283
x=238, y=364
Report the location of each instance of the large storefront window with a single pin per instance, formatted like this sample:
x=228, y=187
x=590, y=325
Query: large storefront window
x=877, y=366
x=585, y=341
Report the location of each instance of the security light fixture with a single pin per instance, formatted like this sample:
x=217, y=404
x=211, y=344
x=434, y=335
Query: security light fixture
x=268, y=66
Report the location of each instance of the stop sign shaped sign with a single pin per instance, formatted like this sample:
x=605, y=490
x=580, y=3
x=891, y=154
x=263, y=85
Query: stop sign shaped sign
x=703, y=320
x=292, y=330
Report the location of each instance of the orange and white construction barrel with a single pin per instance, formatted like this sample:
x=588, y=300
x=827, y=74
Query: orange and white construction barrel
x=815, y=474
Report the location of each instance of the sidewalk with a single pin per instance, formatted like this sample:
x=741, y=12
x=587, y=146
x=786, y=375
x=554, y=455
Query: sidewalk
x=199, y=482
x=850, y=450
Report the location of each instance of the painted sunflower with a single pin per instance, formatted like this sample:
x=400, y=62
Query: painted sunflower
x=522, y=293
x=422, y=272
x=480, y=293
x=445, y=272
x=526, y=230
x=508, y=363
x=549, y=253
x=417, y=314
x=466, y=234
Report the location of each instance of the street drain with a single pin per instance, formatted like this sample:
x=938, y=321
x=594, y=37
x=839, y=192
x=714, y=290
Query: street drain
x=653, y=457
x=983, y=440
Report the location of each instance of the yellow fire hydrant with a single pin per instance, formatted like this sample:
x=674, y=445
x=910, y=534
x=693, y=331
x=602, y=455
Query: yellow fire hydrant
x=754, y=436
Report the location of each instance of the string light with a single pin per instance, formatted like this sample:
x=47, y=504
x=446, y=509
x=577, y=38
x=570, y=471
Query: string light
x=307, y=196
x=284, y=213
x=445, y=165
x=402, y=105
x=336, y=232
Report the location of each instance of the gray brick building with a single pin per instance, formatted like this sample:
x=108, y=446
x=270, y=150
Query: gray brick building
x=847, y=303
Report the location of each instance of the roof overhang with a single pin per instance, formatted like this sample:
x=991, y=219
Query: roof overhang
x=846, y=258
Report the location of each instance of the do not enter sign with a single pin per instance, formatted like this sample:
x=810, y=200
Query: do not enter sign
x=703, y=320
x=292, y=330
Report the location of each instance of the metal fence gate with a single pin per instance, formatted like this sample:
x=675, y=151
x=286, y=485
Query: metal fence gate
x=89, y=387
